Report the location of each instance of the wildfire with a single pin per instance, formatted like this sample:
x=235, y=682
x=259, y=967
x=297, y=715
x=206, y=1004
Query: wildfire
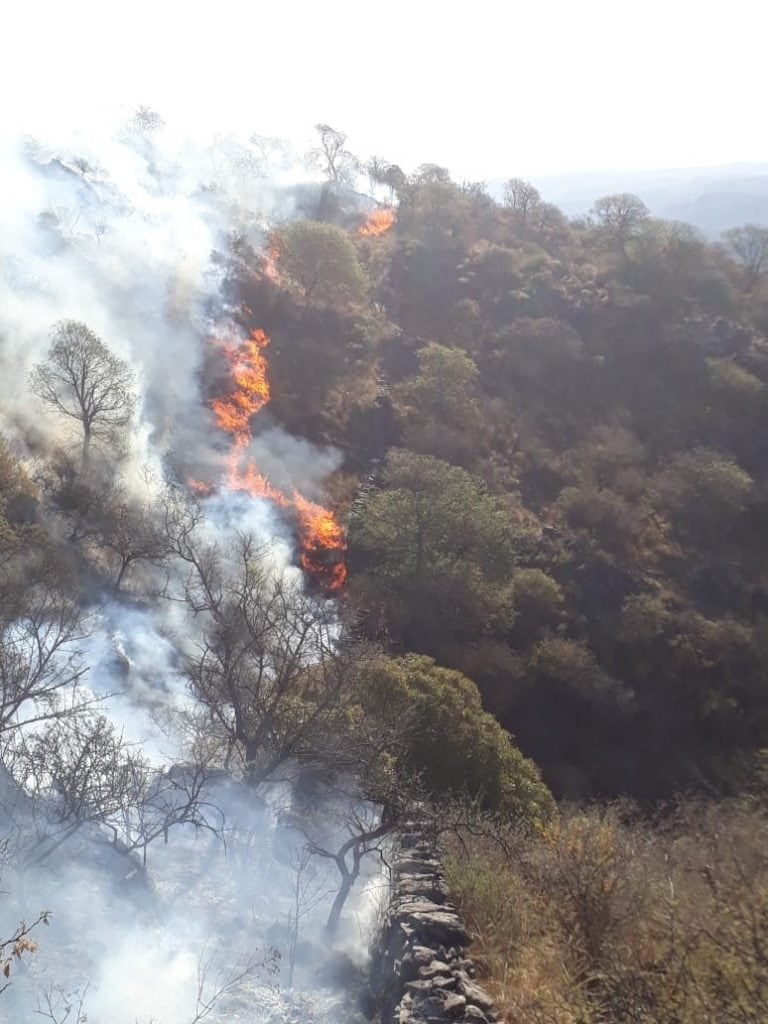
x=249, y=373
x=200, y=487
x=321, y=536
x=377, y=222
x=269, y=267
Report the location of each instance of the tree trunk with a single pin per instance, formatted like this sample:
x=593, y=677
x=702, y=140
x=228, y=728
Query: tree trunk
x=348, y=880
x=85, y=458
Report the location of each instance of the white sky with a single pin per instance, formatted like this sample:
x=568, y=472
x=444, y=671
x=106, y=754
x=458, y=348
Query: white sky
x=488, y=89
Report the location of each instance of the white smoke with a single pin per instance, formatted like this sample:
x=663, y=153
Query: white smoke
x=120, y=229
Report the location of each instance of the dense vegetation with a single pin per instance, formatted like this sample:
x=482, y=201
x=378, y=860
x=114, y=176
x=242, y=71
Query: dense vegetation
x=566, y=424
x=554, y=477
x=605, y=917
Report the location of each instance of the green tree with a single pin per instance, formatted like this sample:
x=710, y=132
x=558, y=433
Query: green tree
x=571, y=714
x=321, y=260
x=432, y=553
x=18, y=504
x=440, y=406
x=448, y=740
x=705, y=494
x=539, y=603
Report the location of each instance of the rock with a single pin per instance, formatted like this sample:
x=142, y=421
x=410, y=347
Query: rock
x=454, y=1005
x=409, y=839
x=439, y=926
x=425, y=886
x=408, y=905
x=424, y=954
x=434, y=968
x=475, y=994
x=419, y=972
x=414, y=866
x=420, y=985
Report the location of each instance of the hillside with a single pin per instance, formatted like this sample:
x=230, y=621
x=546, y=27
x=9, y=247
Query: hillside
x=335, y=495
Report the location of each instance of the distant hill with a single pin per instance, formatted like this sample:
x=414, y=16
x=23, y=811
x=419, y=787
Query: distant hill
x=711, y=198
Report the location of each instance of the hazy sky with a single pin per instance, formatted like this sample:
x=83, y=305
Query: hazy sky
x=489, y=89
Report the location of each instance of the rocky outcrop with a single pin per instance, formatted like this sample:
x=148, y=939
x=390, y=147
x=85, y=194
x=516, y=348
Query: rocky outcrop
x=421, y=972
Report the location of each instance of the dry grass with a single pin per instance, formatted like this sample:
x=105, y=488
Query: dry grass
x=604, y=918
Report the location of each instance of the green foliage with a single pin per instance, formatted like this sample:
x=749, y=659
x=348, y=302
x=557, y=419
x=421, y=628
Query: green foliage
x=600, y=388
x=321, y=259
x=440, y=407
x=447, y=738
x=538, y=600
x=559, y=661
x=705, y=494
x=433, y=553
x=608, y=520
x=736, y=382
x=18, y=503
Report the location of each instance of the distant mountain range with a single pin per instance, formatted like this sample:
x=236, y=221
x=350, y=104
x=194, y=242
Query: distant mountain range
x=713, y=199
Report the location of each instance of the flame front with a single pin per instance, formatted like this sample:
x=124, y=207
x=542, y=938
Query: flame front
x=249, y=374
x=321, y=536
x=377, y=222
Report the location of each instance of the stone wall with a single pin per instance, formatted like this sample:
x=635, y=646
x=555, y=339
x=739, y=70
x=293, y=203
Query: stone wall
x=420, y=969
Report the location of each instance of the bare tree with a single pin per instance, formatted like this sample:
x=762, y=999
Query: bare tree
x=40, y=661
x=213, y=982
x=332, y=157
x=620, y=217
x=162, y=800
x=749, y=245
x=370, y=794
x=59, y=1006
x=145, y=122
x=269, y=148
x=376, y=168
x=86, y=383
x=82, y=773
x=130, y=532
x=74, y=775
x=521, y=197
x=266, y=664
x=366, y=829
x=310, y=888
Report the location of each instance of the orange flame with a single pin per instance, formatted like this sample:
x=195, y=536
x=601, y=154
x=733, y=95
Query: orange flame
x=249, y=373
x=269, y=267
x=199, y=487
x=377, y=222
x=321, y=536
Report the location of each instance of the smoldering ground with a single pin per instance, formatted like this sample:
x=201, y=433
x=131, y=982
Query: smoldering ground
x=220, y=906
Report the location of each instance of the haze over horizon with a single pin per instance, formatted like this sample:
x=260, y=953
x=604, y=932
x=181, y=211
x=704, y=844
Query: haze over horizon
x=548, y=90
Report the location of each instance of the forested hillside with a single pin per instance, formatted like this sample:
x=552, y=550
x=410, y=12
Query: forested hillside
x=565, y=423
x=325, y=505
